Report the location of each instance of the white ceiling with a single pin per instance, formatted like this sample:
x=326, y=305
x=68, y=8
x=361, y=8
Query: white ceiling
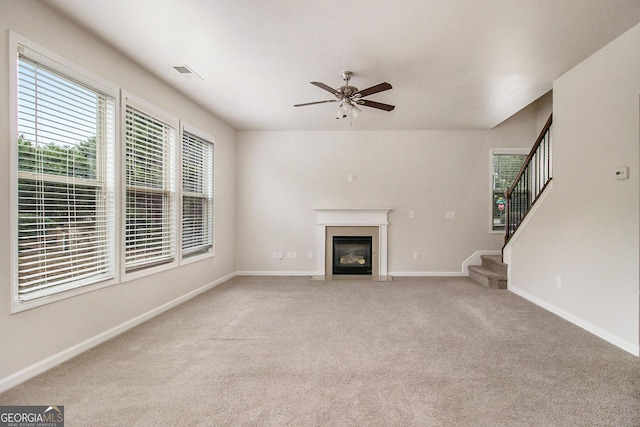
x=453, y=64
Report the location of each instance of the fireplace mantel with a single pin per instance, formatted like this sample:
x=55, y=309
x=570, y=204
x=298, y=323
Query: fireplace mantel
x=352, y=217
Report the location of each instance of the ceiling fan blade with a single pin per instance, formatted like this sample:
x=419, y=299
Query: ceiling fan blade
x=316, y=102
x=373, y=89
x=325, y=87
x=378, y=105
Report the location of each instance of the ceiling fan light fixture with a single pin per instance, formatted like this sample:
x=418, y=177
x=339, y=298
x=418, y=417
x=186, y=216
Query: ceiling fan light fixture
x=355, y=111
x=346, y=109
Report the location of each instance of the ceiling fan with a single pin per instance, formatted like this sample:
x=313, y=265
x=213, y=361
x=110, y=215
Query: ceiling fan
x=350, y=97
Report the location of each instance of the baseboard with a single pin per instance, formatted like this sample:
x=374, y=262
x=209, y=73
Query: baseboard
x=624, y=345
x=277, y=273
x=474, y=259
x=391, y=273
x=48, y=363
x=426, y=273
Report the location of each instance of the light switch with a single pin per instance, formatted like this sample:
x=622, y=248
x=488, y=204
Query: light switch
x=450, y=215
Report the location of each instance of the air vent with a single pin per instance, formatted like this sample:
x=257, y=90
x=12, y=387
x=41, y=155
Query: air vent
x=187, y=72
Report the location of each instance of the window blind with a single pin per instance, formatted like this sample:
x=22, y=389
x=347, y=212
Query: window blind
x=150, y=182
x=197, y=195
x=65, y=158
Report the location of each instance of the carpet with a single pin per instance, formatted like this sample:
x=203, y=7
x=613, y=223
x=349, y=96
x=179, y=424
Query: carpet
x=291, y=351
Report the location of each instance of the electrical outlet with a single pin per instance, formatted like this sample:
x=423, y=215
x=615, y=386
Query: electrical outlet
x=310, y=255
x=416, y=255
x=412, y=214
x=280, y=255
x=274, y=255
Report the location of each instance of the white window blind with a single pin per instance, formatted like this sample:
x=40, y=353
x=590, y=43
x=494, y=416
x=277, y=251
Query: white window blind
x=150, y=186
x=197, y=195
x=65, y=159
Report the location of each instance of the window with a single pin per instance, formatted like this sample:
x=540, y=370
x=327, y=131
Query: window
x=63, y=158
x=79, y=219
x=505, y=165
x=150, y=205
x=197, y=195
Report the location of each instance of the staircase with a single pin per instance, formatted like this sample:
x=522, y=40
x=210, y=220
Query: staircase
x=528, y=185
x=492, y=273
x=531, y=181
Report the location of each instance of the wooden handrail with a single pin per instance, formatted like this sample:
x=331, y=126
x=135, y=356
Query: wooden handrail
x=531, y=180
x=533, y=151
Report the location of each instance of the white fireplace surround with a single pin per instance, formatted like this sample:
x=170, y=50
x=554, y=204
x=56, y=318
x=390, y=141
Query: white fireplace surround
x=352, y=217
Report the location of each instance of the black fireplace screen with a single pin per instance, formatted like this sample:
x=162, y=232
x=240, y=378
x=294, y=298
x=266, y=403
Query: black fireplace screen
x=352, y=254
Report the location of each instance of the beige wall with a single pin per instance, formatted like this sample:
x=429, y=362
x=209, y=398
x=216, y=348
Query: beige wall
x=578, y=256
x=31, y=337
x=283, y=176
x=266, y=188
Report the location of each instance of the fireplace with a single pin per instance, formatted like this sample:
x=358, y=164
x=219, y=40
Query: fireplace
x=352, y=255
x=370, y=223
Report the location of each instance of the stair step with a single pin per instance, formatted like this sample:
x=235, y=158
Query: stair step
x=494, y=262
x=488, y=277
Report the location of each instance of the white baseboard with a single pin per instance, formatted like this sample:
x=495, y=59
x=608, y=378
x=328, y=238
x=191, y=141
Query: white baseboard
x=391, y=273
x=277, y=273
x=474, y=259
x=426, y=273
x=618, y=342
x=48, y=363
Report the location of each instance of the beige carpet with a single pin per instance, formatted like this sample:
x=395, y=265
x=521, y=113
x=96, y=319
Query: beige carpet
x=289, y=351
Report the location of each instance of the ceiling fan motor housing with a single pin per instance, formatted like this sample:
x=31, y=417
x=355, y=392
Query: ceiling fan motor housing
x=348, y=91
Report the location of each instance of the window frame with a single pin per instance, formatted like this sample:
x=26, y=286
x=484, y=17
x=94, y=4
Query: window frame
x=186, y=258
x=19, y=45
x=144, y=107
x=500, y=151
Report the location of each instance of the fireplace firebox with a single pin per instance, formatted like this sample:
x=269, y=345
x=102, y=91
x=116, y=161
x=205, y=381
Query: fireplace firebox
x=352, y=255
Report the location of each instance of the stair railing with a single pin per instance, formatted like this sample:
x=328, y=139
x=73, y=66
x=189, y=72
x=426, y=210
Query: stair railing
x=532, y=179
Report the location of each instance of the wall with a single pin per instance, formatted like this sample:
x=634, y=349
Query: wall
x=38, y=338
x=578, y=256
x=283, y=176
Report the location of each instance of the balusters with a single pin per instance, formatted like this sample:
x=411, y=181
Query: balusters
x=530, y=181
